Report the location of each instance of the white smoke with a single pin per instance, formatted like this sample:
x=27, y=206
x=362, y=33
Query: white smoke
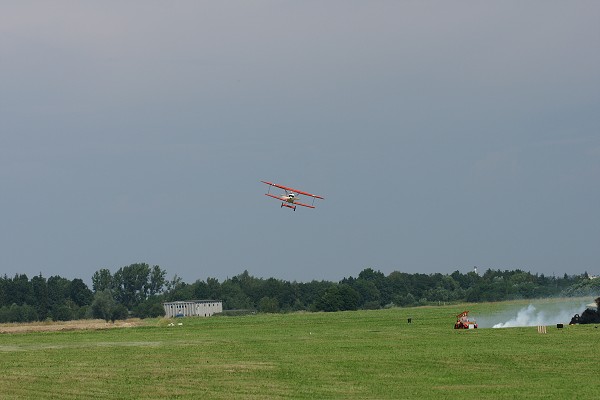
x=532, y=316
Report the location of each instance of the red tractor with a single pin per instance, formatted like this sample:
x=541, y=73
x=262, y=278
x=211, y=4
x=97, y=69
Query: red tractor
x=462, y=321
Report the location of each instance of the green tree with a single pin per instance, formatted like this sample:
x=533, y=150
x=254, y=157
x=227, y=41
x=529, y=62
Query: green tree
x=102, y=280
x=473, y=294
x=103, y=305
x=62, y=312
x=29, y=313
x=233, y=296
x=4, y=314
x=150, y=308
x=157, y=280
x=200, y=290
x=406, y=300
x=58, y=290
x=178, y=290
x=18, y=313
x=40, y=293
x=131, y=284
x=119, y=312
x=268, y=305
x=22, y=290
x=312, y=292
x=80, y=293
x=368, y=292
x=330, y=300
x=350, y=298
x=214, y=288
x=4, y=290
x=340, y=297
x=368, y=274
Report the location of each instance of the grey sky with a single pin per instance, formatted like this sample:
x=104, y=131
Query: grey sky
x=443, y=135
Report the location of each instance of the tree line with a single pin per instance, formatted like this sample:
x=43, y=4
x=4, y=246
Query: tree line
x=139, y=290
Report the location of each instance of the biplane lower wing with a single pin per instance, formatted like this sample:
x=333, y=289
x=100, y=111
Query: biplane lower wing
x=275, y=197
x=296, y=203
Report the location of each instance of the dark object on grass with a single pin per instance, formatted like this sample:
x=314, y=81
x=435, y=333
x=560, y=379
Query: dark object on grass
x=589, y=316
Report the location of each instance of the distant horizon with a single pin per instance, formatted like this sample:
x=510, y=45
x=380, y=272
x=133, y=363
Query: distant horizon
x=169, y=277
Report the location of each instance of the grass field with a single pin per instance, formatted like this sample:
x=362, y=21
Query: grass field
x=362, y=354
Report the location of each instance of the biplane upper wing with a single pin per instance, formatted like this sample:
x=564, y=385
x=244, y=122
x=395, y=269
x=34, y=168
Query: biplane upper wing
x=293, y=190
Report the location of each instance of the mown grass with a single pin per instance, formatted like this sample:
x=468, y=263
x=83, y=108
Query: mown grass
x=363, y=354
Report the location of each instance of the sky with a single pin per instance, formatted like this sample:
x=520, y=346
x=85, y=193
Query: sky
x=442, y=135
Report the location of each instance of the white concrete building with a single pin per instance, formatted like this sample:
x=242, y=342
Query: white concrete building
x=193, y=308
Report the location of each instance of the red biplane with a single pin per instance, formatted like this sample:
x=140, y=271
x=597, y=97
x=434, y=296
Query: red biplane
x=290, y=198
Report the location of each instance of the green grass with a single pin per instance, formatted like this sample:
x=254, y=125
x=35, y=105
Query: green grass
x=363, y=354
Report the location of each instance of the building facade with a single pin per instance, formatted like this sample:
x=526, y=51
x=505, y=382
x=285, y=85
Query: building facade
x=193, y=308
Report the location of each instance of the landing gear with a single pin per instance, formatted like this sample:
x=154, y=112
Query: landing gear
x=288, y=206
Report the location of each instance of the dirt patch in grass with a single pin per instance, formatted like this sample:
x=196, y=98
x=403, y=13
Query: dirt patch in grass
x=89, y=324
